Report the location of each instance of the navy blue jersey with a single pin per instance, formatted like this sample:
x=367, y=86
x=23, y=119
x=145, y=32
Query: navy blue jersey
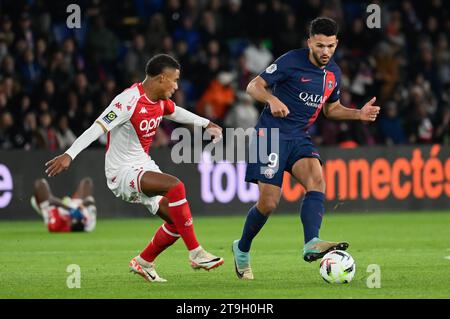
x=303, y=87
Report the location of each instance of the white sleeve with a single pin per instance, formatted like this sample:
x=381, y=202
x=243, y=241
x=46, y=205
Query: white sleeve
x=118, y=111
x=85, y=139
x=183, y=116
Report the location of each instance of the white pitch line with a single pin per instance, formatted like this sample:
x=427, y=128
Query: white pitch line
x=448, y=257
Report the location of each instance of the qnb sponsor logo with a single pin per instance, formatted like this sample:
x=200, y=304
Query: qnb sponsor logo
x=148, y=125
x=312, y=100
x=221, y=182
x=6, y=186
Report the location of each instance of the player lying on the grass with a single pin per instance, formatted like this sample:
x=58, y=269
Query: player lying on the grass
x=131, y=121
x=75, y=213
x=302, y=82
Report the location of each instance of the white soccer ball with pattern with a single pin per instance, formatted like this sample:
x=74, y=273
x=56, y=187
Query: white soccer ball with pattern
x=337, y=267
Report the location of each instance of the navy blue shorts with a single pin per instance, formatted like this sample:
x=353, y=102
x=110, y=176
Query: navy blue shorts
x=270, y=165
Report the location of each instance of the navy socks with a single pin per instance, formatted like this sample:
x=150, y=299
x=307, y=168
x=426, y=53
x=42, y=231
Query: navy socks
x=311, y=214
x=253, y=224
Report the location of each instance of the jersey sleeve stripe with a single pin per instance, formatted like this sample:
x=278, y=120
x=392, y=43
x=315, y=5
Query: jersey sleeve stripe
x=102, y=125
x=139, y=181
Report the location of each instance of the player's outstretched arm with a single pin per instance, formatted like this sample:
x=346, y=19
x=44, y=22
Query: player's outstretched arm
x=183, y=116
x=62, y=162
x=336, y=111
x=257, y=89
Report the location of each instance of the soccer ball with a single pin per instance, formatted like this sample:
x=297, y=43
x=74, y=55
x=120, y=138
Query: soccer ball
x=337, y=267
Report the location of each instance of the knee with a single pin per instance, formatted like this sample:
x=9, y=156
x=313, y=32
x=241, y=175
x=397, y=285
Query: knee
x=87, y=182
x=41, y=187
x=316, y=183
x=39, y=183
x=176, y=189
x=267, y=206
x=175, y=183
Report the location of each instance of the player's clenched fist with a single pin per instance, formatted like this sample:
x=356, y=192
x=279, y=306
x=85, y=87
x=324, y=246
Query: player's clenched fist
x=369, y=112
x=278, y=108
x=215, y=131
x=58, y=164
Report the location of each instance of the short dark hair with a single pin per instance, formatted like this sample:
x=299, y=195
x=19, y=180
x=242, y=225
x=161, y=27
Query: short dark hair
x=159, y=62
x=325, y=26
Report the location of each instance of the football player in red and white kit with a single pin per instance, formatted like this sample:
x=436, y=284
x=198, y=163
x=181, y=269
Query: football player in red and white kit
x=131, y=121
x=68, y=214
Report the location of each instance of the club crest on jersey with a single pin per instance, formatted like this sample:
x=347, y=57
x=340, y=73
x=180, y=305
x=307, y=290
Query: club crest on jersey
x=330, y=85
x=111, y=116
x=269, y=173
x=271, y=68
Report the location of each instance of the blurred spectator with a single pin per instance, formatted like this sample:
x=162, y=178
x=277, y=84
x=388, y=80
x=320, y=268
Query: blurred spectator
x=442, y=131
x=288, y=38
x=101, y=46
x=81, y=88
x=6, y=31
x=218, y=98
x=73, y=61
x=420, y=126
x=188, y=33
x=6, y=131
x=29, y=70
x=8, y=66
x=155, y=35
x=64, y=134
x=48, y=94
x=25, y=31
x=173, y=12
x=47, y=132
x=33, y=138
x=234, y=20
x=42, y=57
x=243, y=114
x=257, y=57
x=391, y=126
x=136, y=57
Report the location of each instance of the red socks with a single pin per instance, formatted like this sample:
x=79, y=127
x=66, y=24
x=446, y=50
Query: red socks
x=180, y=213
x=165, y=236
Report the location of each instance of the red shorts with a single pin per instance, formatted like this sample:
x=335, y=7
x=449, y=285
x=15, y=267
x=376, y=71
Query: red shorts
x=58, y=222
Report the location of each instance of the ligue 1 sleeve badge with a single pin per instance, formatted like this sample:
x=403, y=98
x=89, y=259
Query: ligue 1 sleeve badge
x=271, y=68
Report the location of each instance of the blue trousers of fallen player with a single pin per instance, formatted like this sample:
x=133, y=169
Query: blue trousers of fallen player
x=311, y=214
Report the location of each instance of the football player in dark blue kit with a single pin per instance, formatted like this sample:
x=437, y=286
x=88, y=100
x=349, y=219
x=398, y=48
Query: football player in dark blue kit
x=302, y=82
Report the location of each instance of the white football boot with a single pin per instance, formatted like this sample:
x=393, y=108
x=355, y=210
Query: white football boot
x=201, y=259
x=146, y=269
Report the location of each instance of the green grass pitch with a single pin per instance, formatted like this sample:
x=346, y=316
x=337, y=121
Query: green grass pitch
x=410, y=248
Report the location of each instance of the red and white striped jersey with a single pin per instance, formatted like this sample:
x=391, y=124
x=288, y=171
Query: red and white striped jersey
x=131, y=121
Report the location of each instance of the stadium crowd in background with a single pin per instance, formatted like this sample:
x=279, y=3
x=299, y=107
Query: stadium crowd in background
x=55, y=81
